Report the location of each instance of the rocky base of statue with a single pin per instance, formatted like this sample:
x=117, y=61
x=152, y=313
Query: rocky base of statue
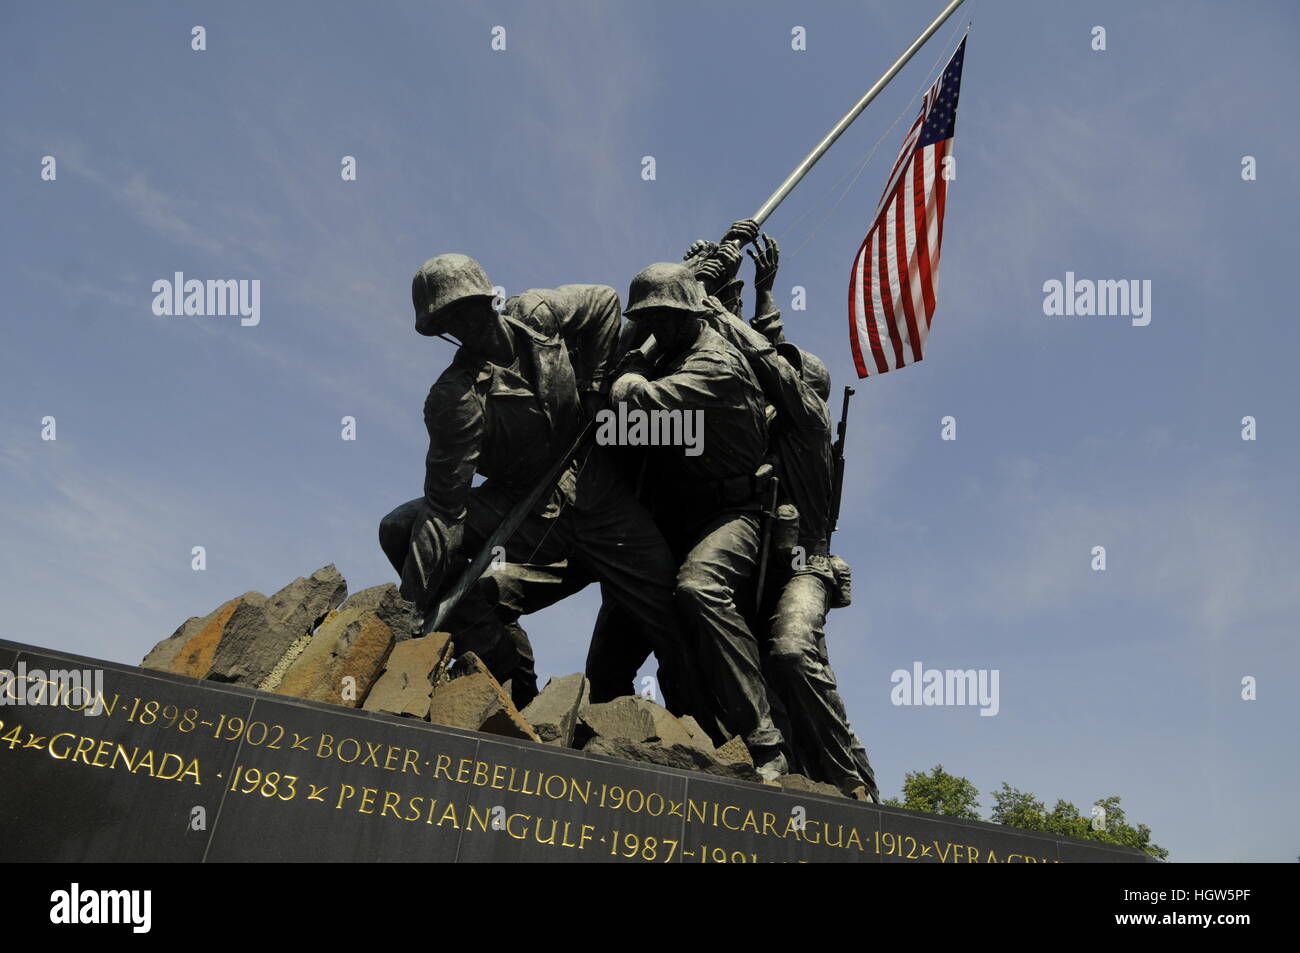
x=312, y=640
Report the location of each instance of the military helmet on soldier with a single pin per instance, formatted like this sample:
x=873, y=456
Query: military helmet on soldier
x=730, y=295
x=668, y=286
x=443, y=281
x=811, y=368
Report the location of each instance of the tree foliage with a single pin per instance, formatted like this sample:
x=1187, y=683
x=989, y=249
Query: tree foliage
x=938, y=792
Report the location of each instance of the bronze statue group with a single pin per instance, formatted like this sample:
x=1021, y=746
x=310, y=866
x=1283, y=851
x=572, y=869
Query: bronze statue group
x=713, y=557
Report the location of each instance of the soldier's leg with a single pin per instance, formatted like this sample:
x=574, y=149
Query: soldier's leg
x=486, y=621
x=800, y=673
x=616, y=654
x=395, y=532
x=860, y=758
x=617, y=541
x=721, y=563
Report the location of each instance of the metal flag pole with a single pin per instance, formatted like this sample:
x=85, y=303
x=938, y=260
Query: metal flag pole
x=819, y=150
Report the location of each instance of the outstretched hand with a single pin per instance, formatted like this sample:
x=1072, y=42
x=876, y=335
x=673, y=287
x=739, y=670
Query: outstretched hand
x=766, y=259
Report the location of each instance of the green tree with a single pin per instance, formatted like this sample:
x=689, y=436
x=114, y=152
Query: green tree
x=939, y=792
x=1016, y=808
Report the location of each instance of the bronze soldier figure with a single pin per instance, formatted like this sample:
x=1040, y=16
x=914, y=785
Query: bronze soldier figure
x=707, y=504
x=807, y=581
x=519, y=390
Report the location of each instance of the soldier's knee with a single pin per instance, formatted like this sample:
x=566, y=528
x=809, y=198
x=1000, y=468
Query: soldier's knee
x=790, y=656
x=703, y=576
x=697, y=589
x=394, y=534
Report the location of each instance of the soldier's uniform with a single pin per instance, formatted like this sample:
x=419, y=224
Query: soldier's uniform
x=799, y=596
x=510, y=424
x=708, y=505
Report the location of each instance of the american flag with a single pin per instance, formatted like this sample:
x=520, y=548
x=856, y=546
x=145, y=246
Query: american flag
x=896, y=271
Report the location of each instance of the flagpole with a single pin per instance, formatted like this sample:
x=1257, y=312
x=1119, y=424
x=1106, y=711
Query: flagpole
x=819, y=150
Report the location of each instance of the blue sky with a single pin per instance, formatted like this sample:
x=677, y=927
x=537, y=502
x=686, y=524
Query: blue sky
x=974, y=553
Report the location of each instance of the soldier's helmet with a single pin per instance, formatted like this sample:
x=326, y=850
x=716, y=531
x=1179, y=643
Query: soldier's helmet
x=811, y=368
x=729, y=295
x=442, y=281
x=665, y=285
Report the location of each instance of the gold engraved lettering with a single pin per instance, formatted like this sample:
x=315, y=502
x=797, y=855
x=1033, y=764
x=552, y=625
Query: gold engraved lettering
x=367, y=798
x=563, y=787
x=537, y=789
x=356, y=750
x=395, y=800
x=449, y=812
x=537, y=832
x=414, y=804
x=522, y=835
x=120, y=753
x=83, y=748
x=444, y=762
x=564, y=837
x=345, y=791
x=53, y=753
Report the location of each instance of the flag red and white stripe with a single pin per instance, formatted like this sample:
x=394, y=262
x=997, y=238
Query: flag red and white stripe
x=896, y=271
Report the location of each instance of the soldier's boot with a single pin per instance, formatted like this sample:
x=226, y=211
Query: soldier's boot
x=523, y=677
x=770, y=763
